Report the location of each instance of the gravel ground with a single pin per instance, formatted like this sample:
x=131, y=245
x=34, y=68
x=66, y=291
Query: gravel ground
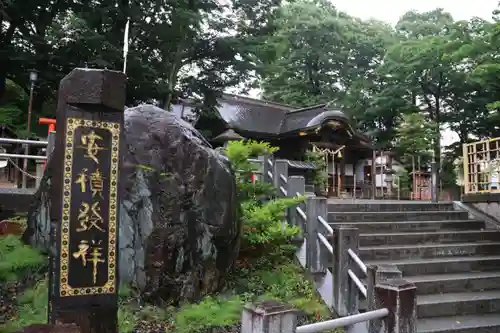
x=8, y=294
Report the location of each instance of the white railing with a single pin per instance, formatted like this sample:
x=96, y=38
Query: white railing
x=343, y=322
x=25, y=157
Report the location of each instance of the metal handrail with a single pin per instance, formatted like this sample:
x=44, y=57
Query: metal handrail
x=301, y=213
x=270, y=162
x=358, y=282
x=342, y=322
x=285, y=192
x=325, y=242
x=25, y=142
x=326, y=225
x=29, y=157
x=283, y=178
x=358, y=261
x=270, y=174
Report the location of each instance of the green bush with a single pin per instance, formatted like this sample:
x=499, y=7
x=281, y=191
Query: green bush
x=320, y=176
x=209, y=313
x=238, y=153
x=264, y=227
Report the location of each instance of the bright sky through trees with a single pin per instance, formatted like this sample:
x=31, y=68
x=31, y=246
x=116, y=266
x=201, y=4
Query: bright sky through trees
x=391, y=10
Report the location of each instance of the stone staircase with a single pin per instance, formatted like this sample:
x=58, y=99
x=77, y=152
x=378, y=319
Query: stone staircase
x=453, y=260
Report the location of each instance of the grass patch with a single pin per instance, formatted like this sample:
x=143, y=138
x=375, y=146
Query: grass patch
x=32, y=309
x=18, y=260
x=211, y=312
x=284, y=280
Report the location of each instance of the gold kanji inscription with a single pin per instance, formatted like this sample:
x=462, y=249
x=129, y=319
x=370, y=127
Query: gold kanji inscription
x=81, y=180
x=94, y=257
x=90, y=217
x=91, y=145
x=82, y=252
x=90, y=137
x=96, y=183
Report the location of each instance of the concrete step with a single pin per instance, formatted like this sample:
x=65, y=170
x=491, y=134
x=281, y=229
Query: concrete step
x=455, y=282
x=427, y=237
x=428, y=250
x=390, y=207
x=351, y=217
x=477, y=323
x=442, y=265
x=416, y=226
x=451, y=304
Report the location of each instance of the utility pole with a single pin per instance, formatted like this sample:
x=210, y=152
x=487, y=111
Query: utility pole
x=33, y=78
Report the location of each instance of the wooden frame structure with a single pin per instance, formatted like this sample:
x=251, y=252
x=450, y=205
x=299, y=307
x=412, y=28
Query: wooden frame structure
x=481, y=166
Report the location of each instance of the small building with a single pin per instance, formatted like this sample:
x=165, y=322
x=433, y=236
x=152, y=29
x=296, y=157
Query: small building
x=295, y=131
x=385, y=163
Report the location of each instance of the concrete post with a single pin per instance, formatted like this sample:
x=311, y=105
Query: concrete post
x=51, y=143
x=296, y=184
x=400, y=298
x=345, y=238
x=268, y=317
x=40, y=168
x=376, y=275
x=315, y=206
x=281, y=169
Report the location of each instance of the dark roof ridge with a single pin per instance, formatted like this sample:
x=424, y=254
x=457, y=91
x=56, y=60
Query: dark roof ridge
x=257, y=101
x=307, y=108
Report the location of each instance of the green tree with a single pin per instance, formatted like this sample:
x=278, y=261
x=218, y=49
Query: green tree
x=263, y=215
x=317, y=53
x=415, y=135
x=12, y=104
x=203, y=46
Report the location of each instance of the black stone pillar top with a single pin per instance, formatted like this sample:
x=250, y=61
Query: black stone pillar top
x=94, y=86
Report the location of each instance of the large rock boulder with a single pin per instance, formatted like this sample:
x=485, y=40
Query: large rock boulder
x=179, y=230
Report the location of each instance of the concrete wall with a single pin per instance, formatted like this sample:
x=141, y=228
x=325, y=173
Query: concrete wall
x=486, y=203
x=490, y=208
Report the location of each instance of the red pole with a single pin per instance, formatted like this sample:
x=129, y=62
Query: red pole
x=48, y=121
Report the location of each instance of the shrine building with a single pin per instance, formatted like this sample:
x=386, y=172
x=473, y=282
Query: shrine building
x=294, y=131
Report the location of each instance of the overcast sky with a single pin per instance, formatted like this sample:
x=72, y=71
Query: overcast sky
x=390, y=10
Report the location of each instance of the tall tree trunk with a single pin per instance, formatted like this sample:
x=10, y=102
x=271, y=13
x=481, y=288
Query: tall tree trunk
x=172, y=76
x=437, y=141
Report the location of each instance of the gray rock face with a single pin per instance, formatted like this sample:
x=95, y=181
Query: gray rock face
x=179, y=230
